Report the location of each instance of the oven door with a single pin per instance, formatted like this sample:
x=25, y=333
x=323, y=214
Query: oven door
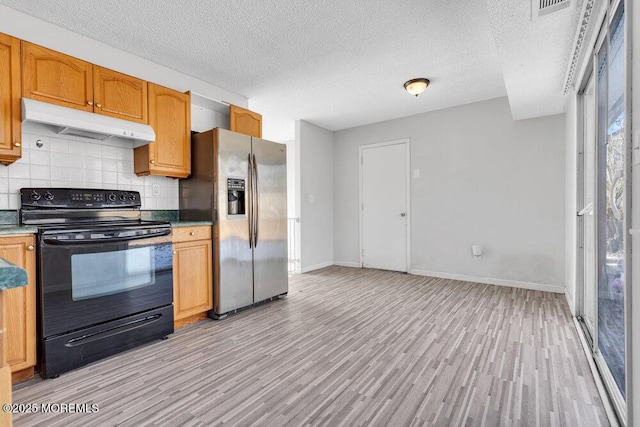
x=92, y=276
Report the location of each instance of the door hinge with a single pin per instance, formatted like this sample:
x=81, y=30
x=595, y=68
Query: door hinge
x=361, y=160
x=361, y=206
x=361, y=252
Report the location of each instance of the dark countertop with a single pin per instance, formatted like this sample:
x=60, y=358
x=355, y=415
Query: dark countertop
x=6, y=229
x=9, y=229
x=9, y=219
x=11, y=276
x=185, y=223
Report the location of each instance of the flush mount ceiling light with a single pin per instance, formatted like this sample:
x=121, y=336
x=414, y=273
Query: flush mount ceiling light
x=416, y=86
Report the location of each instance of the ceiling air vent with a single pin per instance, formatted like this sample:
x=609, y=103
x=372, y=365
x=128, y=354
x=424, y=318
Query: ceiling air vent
x=546, y=7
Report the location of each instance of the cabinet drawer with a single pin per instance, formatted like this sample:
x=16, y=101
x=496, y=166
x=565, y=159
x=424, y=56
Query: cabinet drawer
x=185, y=234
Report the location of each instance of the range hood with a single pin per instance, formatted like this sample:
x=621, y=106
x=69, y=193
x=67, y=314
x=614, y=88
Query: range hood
x=70, y=122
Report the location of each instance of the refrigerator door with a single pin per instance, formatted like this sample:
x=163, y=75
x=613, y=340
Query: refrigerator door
x=233, y=286
x=270, y=277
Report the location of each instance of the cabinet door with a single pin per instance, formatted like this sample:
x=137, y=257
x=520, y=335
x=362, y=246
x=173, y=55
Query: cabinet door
x=10, y=112
x=192, y=278
x=170, y=117
x=119, y=95
x=245, y=121
x=20, y=304
x=51, y=76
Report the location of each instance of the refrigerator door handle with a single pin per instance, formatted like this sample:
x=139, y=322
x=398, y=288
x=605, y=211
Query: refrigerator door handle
x=249, y=200
x=256, y=227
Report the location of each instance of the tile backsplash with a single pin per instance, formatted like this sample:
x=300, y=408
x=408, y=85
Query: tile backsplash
x=49, y=160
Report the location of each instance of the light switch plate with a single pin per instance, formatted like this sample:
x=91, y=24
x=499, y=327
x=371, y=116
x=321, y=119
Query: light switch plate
x=155, y=189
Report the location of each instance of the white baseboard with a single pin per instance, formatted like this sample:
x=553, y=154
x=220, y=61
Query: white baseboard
x=491, y=281
x=316, y=267
x=572, y=307
x=346, y=264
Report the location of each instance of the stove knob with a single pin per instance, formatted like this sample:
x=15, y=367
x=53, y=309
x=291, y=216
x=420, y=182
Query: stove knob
x=112, y=197
x=132, y=197
x=122, y=197
x=35, y=195
x=48, y=196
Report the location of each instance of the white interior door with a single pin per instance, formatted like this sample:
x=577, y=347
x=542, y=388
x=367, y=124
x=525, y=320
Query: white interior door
x=384, y=205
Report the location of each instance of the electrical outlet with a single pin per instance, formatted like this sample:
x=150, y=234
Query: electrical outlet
x=155, y=189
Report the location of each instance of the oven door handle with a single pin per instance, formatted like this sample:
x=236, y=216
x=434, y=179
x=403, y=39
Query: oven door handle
x=115, y=238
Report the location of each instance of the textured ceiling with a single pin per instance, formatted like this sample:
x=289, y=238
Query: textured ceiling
x=534, y=53
x=339, y=64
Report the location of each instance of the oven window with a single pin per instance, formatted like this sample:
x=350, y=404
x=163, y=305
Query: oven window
x=107, y=273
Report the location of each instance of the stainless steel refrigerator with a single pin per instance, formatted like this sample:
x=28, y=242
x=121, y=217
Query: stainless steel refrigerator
x=240, y=183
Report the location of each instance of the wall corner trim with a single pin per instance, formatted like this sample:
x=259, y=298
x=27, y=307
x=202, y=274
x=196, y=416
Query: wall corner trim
x=316, y=267
x=492, y=281
x=347, y=264
x=570, y=303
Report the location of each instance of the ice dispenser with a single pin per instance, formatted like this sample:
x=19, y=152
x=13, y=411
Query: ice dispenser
x=235, y=196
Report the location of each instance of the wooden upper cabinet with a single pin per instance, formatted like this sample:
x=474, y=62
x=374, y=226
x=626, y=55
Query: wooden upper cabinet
x=170, y=117
x=60, y=79
x=118, y=95
x=245, y=121
x=10, y=110
x=53, y=77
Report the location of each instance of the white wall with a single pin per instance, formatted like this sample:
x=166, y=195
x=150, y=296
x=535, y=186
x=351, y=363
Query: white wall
x=80, y=163
x=485, y=179
x=316, y=195
x=204, y=119
x=292, y=185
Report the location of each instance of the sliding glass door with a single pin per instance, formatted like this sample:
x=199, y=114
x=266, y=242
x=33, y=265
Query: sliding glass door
x=611, y=203
x=602, y=223
x=586, y=220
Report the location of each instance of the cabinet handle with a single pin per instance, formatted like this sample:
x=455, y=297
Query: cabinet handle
x=17, y=144
x=174, y=252
x=99, y=105
x=30, y=248
x=153, y=162
x=193, y=233
x=89, y=102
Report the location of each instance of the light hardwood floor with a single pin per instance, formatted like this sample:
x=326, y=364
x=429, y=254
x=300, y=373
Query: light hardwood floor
x=348, y=347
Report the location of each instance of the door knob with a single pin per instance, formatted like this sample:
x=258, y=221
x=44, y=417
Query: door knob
x=89, y=102
x=17, y=144
x=99, y=105
x=30, y=248
x=153, y=162
x=403, y=214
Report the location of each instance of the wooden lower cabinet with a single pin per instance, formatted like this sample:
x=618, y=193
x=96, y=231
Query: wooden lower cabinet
x=20, y=307
x=192, y=274
x=6, y=418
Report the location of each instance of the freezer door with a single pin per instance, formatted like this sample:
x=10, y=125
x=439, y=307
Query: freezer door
x=233, y=286
x=270, y=276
